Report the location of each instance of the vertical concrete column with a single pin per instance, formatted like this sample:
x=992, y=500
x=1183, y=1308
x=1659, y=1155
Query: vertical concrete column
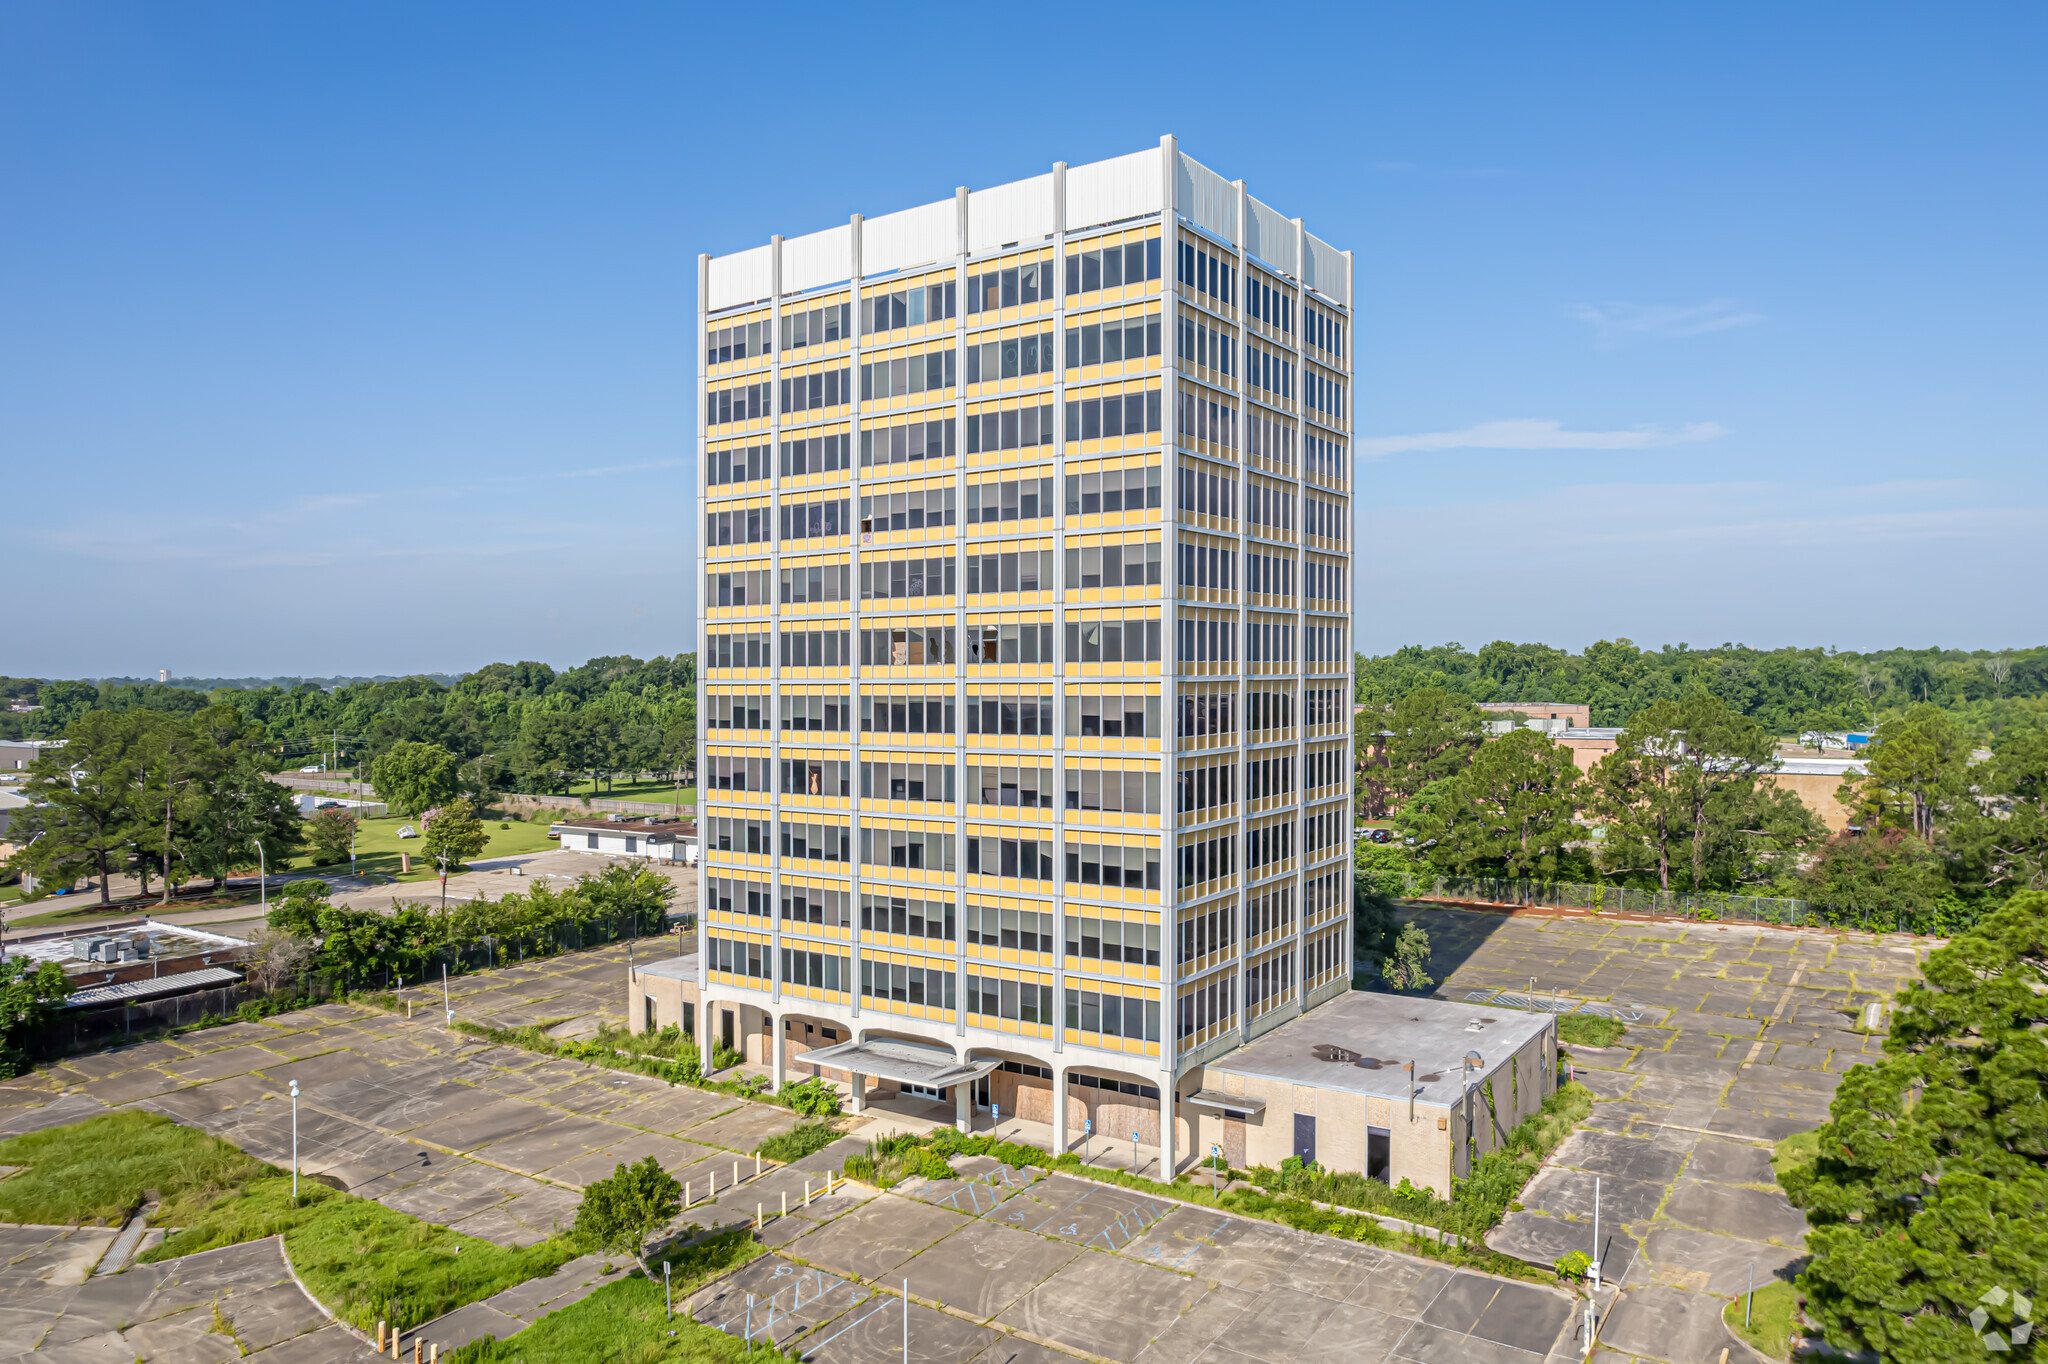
x=1167, y=1104
x=860, y=1089
x=773, y=331
x=963, y=1112
x=1060, y=1138
x=778, y=1050
x=707, y=1035
x=958, y=890
x=853, y=628
x=1301, y=670
x=1169, y=614
x=701, y=635
x=1059, y=600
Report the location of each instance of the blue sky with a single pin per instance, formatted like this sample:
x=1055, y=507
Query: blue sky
x=359, y=338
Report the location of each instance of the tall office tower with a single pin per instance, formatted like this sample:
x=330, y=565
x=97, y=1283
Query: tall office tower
x=1025, y=630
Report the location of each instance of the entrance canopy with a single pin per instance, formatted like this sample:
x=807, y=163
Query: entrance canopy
x=904, y=1064
x=1240, y=1105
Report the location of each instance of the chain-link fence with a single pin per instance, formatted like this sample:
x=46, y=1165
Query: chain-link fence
x=1712, y=907
x=76, y=1030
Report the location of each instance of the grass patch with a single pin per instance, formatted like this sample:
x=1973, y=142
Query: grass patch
x=806, y=1138
x=1794, y=1152
x=96, y=1171
x=1590, y=1030
x=627, y=1320
x=365, y=1261
x=1771, y=1319
x=378, y=846
x=83, y=906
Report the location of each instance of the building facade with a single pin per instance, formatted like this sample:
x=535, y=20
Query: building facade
x=1025, y=627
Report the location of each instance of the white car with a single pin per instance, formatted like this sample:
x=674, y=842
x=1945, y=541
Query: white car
x=316, y=767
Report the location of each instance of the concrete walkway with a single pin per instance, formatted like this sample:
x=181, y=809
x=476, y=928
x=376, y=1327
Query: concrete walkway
x=219, y=1305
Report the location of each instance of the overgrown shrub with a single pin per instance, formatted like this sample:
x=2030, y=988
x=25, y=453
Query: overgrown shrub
x=806, y=1138
x=813, y=1098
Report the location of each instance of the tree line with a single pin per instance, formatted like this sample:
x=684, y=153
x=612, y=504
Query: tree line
x=509, y=726
x=364, y=948
x=1785, y=690
x=1940, y=831
x=161, y=796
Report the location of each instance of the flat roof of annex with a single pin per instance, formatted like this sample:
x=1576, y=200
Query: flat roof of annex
x=1071, y=198
x=1393, y=1030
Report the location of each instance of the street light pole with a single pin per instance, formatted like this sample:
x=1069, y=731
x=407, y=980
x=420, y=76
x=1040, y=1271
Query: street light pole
x=1594, y=1268
x=295, y=1141
x=262, y=875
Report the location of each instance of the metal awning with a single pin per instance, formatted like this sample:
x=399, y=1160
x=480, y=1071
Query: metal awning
x=149, y=987
x=905, y=1065
x=1243, y=1105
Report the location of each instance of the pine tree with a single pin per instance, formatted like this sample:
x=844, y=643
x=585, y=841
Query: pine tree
x=1928, y=1200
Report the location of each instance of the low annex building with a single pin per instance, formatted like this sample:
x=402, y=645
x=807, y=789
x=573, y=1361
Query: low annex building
x=657, y=840
x=1383, y=1085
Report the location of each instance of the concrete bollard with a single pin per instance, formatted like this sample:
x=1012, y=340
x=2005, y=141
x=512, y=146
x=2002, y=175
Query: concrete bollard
x=686, y=1195
x=757, y=1164
x=807, y=1193
x=758, y=1221
x=380, y=1337
x=735, y=1172
x=417, y=1351
x=394, y=1342
x=785, y=1202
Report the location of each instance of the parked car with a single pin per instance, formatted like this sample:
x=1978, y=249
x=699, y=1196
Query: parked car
x=316, y=767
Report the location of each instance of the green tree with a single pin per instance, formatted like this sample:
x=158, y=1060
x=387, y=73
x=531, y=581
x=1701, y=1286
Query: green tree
x=619, y=1213
x=2005, y=846
x=1918, y=774
x=1407, y=966
x=1885, y=875
x=1510, y=812
x=84, y=803
x=632, y=895
x=331, y=835
x=455, y=834
x=237, y=805
x=30, y=992
x=171, y=764
x=1431, y=733
x=1932, y=1171
x=1683, y=791
x=411, y=777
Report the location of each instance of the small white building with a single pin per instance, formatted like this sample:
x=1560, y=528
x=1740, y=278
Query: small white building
x=657, y=840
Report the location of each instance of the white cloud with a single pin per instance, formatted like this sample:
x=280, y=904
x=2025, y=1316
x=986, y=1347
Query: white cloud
x=1539, y=433
x=1613, y=322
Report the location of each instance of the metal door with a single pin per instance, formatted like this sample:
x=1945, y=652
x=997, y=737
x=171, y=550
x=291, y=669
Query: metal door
x=1305, y=1137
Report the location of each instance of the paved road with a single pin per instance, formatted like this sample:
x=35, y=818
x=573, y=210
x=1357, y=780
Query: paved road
x=1752, y=1030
